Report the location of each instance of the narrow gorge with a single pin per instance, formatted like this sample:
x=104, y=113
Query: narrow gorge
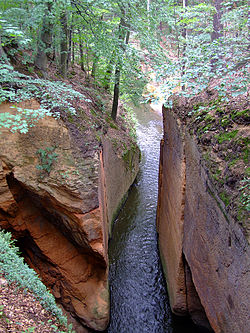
x=63, y=220
x=124, y=166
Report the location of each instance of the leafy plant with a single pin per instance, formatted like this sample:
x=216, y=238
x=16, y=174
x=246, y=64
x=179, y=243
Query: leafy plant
x=29, y=330
x=245, y=194
x=14, y=269
x=47, y=157
x=225, y=198
x=52, y=96
x=226, y=136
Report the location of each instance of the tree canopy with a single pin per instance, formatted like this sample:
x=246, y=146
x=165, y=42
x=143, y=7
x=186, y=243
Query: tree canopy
x=187, y=44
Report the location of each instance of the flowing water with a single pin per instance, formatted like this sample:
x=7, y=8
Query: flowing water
x=138, y=297
x=139, y=301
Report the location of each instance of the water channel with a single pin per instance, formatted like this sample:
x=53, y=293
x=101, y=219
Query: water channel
x=139, y=301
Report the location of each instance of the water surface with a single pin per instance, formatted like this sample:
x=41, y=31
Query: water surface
x=139, y=300
x=138, y=295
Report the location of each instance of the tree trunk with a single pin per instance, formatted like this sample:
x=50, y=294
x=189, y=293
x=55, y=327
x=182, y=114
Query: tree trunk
x=217, y=28
x=184, y=35
x=118, y=69
x=81, y=51
x=70, y=47
x=64, y=45
x=44, y=43
x=94, y=66
x=116, y=93
x=73, y=53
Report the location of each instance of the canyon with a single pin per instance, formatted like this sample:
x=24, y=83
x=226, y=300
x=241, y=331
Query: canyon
x=59, y=199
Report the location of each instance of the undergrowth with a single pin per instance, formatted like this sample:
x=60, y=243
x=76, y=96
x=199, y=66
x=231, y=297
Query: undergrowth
x=15, y=270
x=16, y=87
x=221, y=129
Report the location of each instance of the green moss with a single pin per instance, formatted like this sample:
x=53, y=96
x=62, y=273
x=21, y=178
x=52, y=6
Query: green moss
x=206, y=128
x=98, y=137
x=219, y=110
x=245, y=194
x=206, y=156
x=209, y=118
x=247, y=172
x=216, y=174
x=225, y=198
x=218, y=203
x=239, y=114
x=225, y=121
x=70, y=118
x=113, y=125
x=233, y=162
x=245, y=155
x=93, y=112
x=226, y=136
x=197, y=106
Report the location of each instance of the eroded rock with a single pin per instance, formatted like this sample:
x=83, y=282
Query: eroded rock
x=61, y=216
x=193, y=222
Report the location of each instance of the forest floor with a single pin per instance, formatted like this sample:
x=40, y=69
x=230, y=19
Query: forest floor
x=20, y=312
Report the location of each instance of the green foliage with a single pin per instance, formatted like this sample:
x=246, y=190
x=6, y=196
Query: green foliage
x=16, y=270
x=17, y=87
x=225, y=198
x=10, y=32
x=2, y=314
x=245, y=194
x=29, y=330
x=181, y=60
x=226, y=136
x=47, y=157
x=195, y=60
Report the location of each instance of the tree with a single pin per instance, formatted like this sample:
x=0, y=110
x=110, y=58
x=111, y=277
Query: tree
x=64, y=43
x=123, y=34
x=179, y=41
x=45, y=40
x=222, y=21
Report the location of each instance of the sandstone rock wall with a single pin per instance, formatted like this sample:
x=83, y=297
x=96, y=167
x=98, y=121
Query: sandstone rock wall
x=61, y=217
x=118, y=174
x=205, y=253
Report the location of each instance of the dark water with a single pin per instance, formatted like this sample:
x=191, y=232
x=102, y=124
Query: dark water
x=139, y=301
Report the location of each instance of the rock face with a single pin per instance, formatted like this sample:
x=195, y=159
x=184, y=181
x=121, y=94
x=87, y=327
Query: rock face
x=58, y=204
x=204, y=252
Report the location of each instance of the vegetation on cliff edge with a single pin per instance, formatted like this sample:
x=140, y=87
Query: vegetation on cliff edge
x=222, y=132
x=26, y=288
